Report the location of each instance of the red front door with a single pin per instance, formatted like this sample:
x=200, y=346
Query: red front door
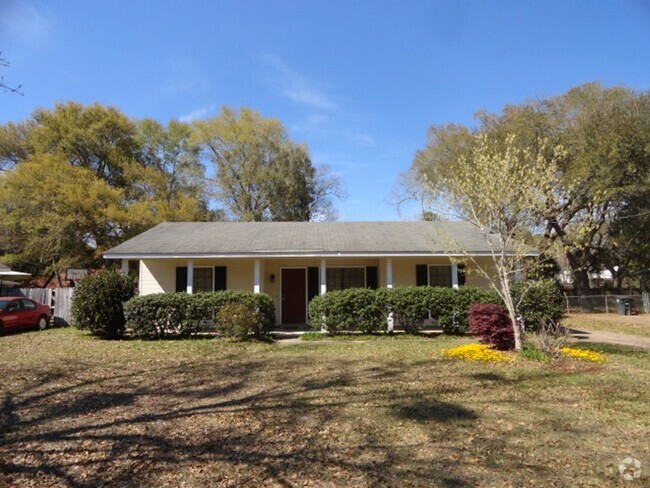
x=294, y=296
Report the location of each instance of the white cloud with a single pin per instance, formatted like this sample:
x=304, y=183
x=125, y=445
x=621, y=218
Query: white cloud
x=297, y=87
x=196, y=114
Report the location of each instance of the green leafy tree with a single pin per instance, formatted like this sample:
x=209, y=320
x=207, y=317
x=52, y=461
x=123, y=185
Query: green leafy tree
x=630, y=240
x=46, y=229
x=259, y=173
x=606, y=136
x=79, y=179
x=98, y=138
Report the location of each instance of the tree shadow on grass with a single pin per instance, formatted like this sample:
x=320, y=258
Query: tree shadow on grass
x=250, y=420
x=489, y=377
x=433, y=411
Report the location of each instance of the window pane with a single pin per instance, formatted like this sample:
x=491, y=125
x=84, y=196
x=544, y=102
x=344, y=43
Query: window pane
x=440, y=276
x=202, y=280
x=354, y=278
x=343, y=278
x=334, y=279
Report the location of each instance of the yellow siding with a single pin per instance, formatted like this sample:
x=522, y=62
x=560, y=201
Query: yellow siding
x=476, y=278
x=404, y=269
x=159, y=275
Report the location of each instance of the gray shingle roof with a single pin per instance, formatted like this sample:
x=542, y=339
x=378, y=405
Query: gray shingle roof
x=194, y=239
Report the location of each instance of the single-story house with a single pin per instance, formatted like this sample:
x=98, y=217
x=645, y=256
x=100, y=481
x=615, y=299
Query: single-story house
x=295, y=261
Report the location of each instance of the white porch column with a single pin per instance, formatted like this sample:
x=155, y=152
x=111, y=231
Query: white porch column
x=454, y=275
x=190, y=275
x=323, y=277
x=389, y=273
x=124, y=269
x=256, y=277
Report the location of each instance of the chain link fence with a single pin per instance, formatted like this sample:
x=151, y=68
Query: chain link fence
x=607, y=303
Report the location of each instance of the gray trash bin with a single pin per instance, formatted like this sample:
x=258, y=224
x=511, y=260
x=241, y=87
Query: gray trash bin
x=624, y=305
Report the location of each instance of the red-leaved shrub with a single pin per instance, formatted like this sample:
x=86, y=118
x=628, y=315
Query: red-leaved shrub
x=492, y=324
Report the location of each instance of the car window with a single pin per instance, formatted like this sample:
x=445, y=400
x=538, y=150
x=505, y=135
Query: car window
x=14, y=306
x=28, y=305
x=3, y=305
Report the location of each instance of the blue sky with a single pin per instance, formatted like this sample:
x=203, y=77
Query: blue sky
x=358, y=82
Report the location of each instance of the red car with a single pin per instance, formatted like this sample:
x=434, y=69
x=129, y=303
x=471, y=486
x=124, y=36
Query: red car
x=18, y=313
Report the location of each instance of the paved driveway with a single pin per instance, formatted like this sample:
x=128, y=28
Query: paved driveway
x=611, y=338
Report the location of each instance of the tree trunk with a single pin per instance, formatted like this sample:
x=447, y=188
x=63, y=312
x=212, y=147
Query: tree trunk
x=515, y=325
x=580, y=280
x=510, y=306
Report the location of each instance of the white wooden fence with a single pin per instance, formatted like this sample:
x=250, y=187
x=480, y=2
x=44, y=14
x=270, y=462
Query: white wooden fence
x=59, y=299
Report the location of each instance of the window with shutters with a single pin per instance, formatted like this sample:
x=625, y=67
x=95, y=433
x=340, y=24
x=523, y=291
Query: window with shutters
x=343, y=278
x=203, y=280
x=440, y=276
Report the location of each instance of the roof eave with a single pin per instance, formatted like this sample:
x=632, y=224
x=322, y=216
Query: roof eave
x=387, y=254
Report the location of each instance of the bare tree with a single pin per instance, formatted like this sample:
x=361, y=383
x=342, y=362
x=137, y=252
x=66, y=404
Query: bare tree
x=7, y=88
x=503, y=192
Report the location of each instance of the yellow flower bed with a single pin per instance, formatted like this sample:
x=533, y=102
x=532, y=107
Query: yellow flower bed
x=477, y=352
x=583, y=355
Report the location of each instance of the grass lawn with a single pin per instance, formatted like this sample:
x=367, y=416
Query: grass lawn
x=81, y=412
x=398, y=336
x=625, y=324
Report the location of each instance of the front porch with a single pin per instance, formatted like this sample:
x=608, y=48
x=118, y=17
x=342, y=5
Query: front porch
x=292, y=282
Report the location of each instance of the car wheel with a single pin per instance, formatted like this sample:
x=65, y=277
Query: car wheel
x=2, y=329
x=42, y=322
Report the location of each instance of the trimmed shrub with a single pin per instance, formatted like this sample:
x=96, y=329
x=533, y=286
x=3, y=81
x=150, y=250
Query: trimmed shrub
x=159, y=316
x=203, y=307
x=98, y=303
x=542, y=302
x=409, y=305
x=354, y=309
x=492, y=325
x=450, y=308
x=181, y=315
x=360, y=309
x=237, y=321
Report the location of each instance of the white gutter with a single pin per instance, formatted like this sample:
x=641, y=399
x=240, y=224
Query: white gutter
x=305, y=255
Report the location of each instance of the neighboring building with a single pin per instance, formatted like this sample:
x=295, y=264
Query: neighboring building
x=53, y=280
x=7, y=280
x=295, y=261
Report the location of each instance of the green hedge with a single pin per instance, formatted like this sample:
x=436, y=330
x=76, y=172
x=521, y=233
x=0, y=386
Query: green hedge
x=454, y=317
x=542, y=301
x=165, y=315
x=360, y=309
x=409, y=305
x=347, y=310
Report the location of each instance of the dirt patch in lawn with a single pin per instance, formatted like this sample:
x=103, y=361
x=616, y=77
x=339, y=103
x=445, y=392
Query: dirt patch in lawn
x=80, y=412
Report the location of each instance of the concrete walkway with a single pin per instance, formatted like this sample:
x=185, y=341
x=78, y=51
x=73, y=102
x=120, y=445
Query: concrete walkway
x=611, y=338
x=292, y=338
